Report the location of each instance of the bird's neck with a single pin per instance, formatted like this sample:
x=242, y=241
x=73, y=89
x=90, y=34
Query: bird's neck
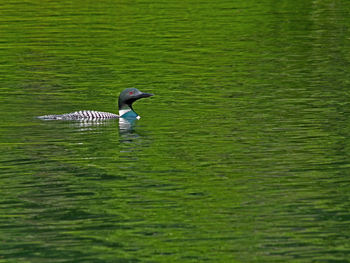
x=126, y=111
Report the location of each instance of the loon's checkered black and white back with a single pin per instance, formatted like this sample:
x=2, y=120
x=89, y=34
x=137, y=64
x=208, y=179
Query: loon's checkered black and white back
x=81, y=115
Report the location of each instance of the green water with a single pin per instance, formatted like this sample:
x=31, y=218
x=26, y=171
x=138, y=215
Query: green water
x=242, y=155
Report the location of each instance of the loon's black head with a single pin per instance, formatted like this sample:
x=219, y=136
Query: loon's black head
x=127, y=97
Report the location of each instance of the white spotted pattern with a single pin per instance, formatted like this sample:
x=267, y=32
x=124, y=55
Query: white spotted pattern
x=81, y=115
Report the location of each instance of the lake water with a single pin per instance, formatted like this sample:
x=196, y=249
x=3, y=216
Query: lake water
x=242, y=155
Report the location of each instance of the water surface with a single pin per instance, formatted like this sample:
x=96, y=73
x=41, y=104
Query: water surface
x=240, y=157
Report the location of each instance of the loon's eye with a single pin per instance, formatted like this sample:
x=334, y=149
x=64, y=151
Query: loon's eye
x=130, y=92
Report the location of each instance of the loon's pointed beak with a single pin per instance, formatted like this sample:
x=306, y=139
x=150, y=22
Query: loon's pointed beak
x=145, y=95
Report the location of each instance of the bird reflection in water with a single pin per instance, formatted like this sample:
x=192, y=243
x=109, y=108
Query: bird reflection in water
x=125, y=125
x=126, y=130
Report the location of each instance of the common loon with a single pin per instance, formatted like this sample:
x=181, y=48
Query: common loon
x=126, y=98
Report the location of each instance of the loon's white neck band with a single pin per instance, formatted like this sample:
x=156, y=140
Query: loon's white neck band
x=122, y=112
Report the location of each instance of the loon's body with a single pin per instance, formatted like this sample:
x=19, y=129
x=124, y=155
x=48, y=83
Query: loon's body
x=126, y=98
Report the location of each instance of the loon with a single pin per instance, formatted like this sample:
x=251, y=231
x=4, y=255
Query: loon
x=126, y=98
